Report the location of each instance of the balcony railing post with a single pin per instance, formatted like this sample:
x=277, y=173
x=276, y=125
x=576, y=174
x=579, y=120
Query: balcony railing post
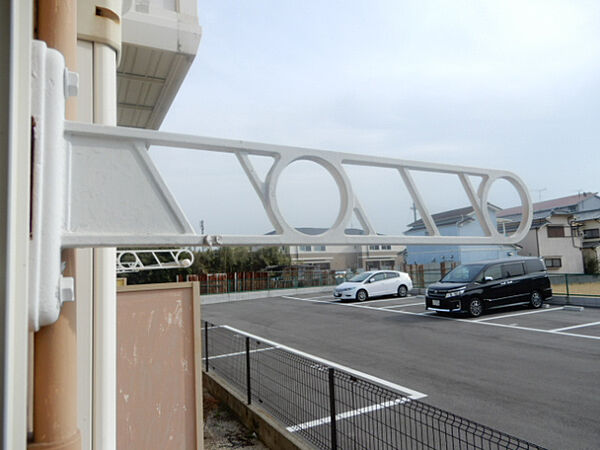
x=248, y=388
x=332, y=408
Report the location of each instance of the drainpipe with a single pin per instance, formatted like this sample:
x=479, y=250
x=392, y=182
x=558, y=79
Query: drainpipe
x=55, y=373
x=105, y=289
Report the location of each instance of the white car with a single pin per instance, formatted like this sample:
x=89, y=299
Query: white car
x=374, y=284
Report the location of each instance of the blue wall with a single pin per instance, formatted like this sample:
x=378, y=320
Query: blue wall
x=426, y=254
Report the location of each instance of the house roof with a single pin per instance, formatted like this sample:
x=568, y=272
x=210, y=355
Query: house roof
x=588, y=215
x=448, y=217
x=556, y=203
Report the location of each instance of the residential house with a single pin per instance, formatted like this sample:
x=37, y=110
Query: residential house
x=589, y=223
x=557, y=232
x=455, y=222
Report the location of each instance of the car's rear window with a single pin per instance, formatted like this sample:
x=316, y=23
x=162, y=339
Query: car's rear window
x=534, y=265
x=512, y=270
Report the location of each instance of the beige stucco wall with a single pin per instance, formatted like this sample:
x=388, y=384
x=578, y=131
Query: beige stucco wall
x=568, y=248
x=159, y=390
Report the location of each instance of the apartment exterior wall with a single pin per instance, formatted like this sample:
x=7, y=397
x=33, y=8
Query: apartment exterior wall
x=353, y=257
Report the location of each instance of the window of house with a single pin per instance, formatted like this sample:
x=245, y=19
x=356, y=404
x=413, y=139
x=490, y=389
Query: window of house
x=319, y=248
x=553, y=262
x=305, y=248
x=591, y=233
x=373, y=247
x=556, y=231
x=372, y=265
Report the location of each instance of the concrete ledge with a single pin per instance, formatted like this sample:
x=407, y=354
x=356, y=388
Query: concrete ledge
x=207, y=299
x=267, y=428
x=591, y=302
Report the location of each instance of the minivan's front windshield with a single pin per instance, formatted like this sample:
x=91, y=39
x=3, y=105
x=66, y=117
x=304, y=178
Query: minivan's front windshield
x=463, y=274
x=360, y=277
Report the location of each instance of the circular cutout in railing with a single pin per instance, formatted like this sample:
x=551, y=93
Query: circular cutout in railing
x=308, y=197
x=505, y=206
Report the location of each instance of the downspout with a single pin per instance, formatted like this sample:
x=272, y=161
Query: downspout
x=100, y=25
x=55, y=374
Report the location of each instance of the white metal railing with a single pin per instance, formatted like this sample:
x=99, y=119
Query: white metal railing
x=124, y=169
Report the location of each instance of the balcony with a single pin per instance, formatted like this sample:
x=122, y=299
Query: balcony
x=160, y=40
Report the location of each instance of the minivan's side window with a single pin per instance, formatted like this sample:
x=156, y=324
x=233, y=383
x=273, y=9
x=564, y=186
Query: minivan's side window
x=512, y=270
x=534, y=265
x=494, y=271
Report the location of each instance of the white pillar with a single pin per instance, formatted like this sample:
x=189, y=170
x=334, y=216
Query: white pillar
x=15, y=127
x=105, y=290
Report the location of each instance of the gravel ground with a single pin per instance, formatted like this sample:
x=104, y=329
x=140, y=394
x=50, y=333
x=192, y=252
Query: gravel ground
x=222, y=429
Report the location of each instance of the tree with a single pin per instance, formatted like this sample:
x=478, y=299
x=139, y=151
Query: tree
x=592, y=266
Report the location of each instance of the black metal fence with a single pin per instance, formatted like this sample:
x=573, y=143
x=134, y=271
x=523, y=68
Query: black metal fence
x=333, y=409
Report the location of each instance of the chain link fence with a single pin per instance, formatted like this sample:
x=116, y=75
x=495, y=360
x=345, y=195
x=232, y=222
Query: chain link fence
x=330, y=408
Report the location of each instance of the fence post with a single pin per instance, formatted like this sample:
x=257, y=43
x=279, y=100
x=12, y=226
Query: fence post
x=332, y=409
x=206, y=345
x=249, y=392
x=567, y=288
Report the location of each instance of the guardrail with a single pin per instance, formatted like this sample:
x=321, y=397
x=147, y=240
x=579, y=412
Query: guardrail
x=575, y=285
x=331, y=408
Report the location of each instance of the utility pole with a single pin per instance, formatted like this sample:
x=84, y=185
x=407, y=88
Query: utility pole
x=414, y=210
x=539, y=191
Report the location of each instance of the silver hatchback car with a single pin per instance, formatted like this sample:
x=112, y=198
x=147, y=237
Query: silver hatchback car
x=374, y=284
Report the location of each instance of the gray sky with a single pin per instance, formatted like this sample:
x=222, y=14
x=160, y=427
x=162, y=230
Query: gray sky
x=500, y=84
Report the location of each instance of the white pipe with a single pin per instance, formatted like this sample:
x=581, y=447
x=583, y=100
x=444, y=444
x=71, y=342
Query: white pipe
x=105, y=290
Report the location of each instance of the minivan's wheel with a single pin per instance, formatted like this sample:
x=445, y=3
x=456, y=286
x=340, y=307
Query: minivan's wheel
x=402, y=291
x=536, y=300
x=475, y=307
x=361, y=295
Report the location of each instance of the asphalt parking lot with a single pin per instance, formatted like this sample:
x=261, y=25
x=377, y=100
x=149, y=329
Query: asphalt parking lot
x=530, y=373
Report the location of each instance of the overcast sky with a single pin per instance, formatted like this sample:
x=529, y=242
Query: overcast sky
x=500, y=84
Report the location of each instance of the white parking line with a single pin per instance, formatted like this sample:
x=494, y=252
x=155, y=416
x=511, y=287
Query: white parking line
x=347, y=414
x=410, y=393
x=436, y=316
x=227, y=355
x=517, y=314
x=390, y=299
x=402, y=306
x=577, y=326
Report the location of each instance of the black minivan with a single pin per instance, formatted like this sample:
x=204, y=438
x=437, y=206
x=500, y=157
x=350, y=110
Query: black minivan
x=478, y=286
